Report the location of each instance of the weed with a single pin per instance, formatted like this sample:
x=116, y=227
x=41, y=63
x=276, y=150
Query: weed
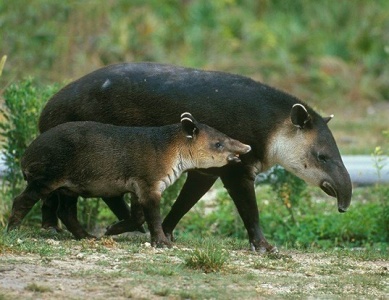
x=280, y=263
x=165, y=270
x=34, y=287
x=380, y=160
x=163, y=292
x=2, y=63
x=210, y=259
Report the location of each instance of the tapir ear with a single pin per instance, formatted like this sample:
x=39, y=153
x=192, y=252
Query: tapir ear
x=299, y=115
x=188, y=125
x=327, y=119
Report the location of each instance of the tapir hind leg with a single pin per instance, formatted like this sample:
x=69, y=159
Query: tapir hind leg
x=129, y=220
x=67, y=212
x=22, y=204
x=196, y=185
x=49, y=212
x=239, y=182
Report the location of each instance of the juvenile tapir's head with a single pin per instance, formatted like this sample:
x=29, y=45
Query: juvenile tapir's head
x=304, y=145
x=207, y=147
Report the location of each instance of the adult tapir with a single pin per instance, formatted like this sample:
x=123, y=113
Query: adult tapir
x=280, y=128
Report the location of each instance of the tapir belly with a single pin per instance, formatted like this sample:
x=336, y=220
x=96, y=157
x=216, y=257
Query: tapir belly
x=101, y=188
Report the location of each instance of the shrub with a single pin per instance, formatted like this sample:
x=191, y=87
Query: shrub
x=22, y=102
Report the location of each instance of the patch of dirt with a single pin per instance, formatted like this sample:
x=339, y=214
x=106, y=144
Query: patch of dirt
x=123, y=273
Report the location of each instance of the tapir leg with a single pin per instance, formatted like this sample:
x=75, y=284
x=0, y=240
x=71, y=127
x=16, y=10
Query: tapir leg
x=151, y=208
x=118, y=206
x=239, y=183
x=129, y=220
x=67, y=212
x=49, y=212
x=22, y=204
x=196, y=185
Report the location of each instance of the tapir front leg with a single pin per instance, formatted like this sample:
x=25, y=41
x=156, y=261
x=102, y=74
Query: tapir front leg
x=239, y=183
x=196, y=185
x=151, y=208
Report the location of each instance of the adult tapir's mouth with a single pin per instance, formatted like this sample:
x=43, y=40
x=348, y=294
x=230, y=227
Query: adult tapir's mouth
x=329, y=189
x=233, y=158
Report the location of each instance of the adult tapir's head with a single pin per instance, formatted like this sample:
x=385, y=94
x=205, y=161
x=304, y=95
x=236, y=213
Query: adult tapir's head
x=304, y=145
x=207, y=147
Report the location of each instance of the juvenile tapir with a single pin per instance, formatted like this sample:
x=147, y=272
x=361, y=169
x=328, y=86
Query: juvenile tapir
x=92, y=159
x=280, y=128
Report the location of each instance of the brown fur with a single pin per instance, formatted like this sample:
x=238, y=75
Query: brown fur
x=99, y=160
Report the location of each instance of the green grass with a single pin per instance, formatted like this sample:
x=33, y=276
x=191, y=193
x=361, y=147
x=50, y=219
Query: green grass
x=209, y=258
x=34, y=287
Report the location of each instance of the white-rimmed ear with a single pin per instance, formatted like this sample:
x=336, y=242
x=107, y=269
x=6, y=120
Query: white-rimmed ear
x=299, y=115
x=327, y=119
x=188, y=125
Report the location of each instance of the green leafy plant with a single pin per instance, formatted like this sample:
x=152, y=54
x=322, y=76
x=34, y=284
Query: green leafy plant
x=23, y=102
x=380, y=160
x=290, y=191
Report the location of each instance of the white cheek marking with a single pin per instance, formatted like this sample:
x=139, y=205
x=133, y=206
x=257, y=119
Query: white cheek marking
x=290, y=153
x=106, y=84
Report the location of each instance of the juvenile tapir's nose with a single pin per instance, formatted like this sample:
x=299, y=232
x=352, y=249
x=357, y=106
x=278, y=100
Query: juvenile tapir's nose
x=242, y=149
x=246, y=149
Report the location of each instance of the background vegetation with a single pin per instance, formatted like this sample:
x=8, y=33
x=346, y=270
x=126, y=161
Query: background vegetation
x=332, y=54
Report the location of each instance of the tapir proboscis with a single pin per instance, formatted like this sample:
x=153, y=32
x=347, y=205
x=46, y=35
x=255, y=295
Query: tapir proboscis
x=92, y=159
x=280, y=128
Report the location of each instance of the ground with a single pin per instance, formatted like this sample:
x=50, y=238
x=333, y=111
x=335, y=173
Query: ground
x=129, y=268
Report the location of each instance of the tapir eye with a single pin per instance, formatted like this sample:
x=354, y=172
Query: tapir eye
x=219, y=145
x=322, y=158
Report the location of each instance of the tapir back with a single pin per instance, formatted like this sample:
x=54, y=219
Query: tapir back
x=88, y=150
x=146, y=94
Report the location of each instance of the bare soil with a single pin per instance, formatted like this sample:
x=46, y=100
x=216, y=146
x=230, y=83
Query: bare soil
x=105, y=269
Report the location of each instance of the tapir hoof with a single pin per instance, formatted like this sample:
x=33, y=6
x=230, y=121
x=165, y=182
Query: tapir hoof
x=11, y=227
x=263, y=247
x=13, y=223
x=170, y=236
x=52, y=229
x=124, y=226
x=161, y=243
x=85, y=236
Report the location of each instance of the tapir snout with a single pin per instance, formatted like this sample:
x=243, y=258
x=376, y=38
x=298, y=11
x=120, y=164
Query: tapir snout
x=237, y=148
x=339, y=186
x=212, y=148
